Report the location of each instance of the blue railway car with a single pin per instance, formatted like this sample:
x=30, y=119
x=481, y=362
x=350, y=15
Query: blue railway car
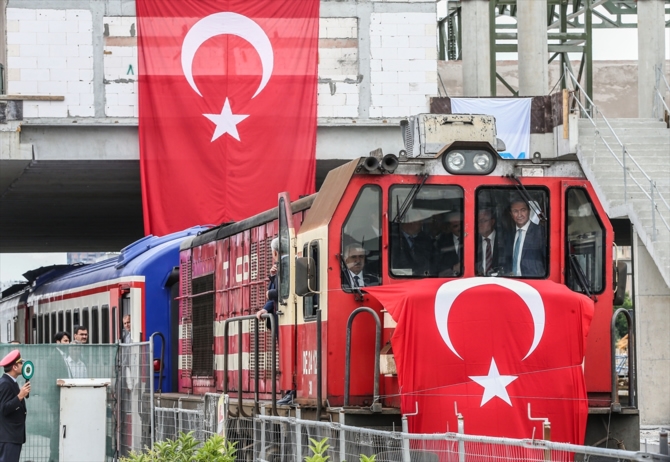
x=142, y=282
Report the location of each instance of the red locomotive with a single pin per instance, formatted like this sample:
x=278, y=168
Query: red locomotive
x=380, y=221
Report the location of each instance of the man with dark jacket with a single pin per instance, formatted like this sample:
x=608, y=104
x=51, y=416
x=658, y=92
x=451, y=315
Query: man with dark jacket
x=529, y=244
x=12, y=408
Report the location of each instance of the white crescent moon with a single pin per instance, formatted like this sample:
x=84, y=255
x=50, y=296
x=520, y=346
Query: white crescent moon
x=448, y=292
x=232, y=24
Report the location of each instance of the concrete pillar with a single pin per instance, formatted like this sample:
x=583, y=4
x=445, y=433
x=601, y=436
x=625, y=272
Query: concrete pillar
x=651, y=51
x=652, y=321
x=475, y=41
x=533, y=48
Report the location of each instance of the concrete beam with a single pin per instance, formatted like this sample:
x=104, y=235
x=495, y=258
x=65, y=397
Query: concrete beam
x=476, y=48
x=532, y=29
x=651, y=51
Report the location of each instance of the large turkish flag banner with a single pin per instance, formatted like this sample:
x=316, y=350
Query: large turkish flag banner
x=227, y=107
x=490, y=347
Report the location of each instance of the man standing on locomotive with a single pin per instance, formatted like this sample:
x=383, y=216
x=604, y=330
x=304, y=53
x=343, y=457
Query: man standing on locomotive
x=271, y=295
x=529, y=249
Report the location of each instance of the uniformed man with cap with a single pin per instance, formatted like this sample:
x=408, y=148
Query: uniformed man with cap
x=12, y=408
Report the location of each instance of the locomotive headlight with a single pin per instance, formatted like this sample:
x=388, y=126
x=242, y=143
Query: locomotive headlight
x=455, y=161
x=482, y=161
x=469, y=161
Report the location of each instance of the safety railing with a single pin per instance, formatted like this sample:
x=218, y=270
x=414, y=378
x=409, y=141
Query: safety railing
x=627, y=161
x=238, y=320
x=289, y=439
x=376, y=406
x=660, y=89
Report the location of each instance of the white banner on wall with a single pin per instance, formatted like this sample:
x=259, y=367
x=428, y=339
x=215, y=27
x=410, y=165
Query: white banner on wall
x=512, y=120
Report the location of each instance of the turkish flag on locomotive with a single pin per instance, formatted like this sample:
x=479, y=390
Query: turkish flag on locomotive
x=227, y=107
x=492, y=346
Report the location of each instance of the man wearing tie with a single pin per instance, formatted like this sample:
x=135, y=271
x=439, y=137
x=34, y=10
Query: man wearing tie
x=529, y=245
x=488, y=255
x=450, y=247
x=354, y=258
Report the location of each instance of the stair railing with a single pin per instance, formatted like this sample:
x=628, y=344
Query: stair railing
x=653, y=194
x=660, y=88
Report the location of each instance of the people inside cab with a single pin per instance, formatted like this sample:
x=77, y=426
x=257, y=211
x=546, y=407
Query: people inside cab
x=449, y=248
x=529, y=242
x=411, y=248
x=355, y=275
x=489, y=257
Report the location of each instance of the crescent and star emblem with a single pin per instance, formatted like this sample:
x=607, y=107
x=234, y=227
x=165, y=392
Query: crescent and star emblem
x=494, y=384
x=226, y=23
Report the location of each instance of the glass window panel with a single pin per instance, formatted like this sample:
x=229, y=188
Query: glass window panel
x=585, y=246
x=95, y=327
x=426, y=239
x=311, y=302
x=516, y=229
x=105, y=323
x=361, y=240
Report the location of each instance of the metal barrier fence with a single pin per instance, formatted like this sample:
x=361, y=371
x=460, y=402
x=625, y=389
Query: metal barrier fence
x=54, y=362
x=288, y=439
x=134, y=391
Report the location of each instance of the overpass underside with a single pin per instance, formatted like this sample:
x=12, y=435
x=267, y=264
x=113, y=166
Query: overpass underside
x=68, y=188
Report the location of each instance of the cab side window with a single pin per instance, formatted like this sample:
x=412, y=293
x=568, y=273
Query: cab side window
x=585, y=244
x=361, y=241
x=311, y=301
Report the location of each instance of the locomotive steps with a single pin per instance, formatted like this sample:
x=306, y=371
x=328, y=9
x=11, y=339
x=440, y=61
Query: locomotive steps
x=648, y=142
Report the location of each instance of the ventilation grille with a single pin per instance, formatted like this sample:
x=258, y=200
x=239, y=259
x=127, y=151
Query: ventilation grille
x=203, y=326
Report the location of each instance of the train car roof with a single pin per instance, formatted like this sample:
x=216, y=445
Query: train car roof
x=133, y=260
x=229, y=229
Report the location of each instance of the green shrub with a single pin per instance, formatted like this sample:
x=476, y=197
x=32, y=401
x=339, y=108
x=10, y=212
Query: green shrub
x=318, y=449
x=185, y=449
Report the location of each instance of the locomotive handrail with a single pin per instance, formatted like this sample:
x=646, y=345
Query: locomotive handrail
x=319, y=378
x=376, y=407
x=273, y=328
x=160, y=369
x=632, y=375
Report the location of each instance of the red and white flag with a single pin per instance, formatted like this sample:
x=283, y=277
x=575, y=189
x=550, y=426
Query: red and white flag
x=227, y=107
x=490, y=347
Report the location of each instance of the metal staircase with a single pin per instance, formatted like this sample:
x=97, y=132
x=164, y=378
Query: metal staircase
x=628, y=162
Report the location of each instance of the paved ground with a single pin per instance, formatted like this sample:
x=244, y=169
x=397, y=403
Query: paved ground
x=649, y=437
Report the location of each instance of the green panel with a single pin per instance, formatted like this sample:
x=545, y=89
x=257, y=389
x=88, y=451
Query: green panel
x=60, y=361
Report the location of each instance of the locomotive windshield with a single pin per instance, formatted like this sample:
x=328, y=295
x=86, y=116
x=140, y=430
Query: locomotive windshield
x=427, y=242
x=511, y=236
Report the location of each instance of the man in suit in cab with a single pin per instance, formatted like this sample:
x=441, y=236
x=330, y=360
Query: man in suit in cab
x=12, y=408
x=355, y=273
x=489, y=257
x=529, y=245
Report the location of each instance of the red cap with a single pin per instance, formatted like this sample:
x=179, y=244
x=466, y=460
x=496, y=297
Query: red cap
x=11, y=358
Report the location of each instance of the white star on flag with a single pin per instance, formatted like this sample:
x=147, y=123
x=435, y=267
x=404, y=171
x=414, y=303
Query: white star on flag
x=226, y=122
x=494, y=384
